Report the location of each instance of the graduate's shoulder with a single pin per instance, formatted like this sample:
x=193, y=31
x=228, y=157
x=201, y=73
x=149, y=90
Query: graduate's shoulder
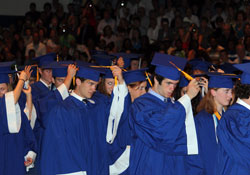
x=202, y=116
x=237, y=114
x=146, y=99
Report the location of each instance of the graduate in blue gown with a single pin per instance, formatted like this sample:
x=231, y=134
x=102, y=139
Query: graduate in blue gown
x=163, y=130
x=120, y=147
x=62, y=78
x=219, y=96
x=17, y=142
x=82, y=122
x=233, y=131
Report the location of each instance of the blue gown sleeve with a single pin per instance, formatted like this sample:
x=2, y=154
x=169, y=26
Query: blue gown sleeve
x=160, y=129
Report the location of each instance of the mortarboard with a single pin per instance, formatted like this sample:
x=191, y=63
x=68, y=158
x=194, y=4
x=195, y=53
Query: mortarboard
x=59, y=69
x=228, y=68
x=104, y=60
x=134, y=76
x=245, y=68
x=108, y=74
x=127, y=57
x=218, y=80
x=165, y=68
x=5, y=70
x=44, y=61
x=88, y=73
x=198, y=64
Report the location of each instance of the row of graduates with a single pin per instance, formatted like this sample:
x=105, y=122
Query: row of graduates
x=121, y=129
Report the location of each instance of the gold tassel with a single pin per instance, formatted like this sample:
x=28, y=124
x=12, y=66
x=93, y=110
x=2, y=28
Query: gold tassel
x=149, y=80
x=37, y=74
x=184, y=73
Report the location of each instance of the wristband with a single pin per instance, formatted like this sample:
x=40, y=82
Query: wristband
x=22, y=79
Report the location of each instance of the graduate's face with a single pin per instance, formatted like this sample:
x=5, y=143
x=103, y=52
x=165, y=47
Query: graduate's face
x=87, y=88
x=137, y=91
x=166, y=88
x=222, y=96
x=3, y=89
x=46, y=75
x=109, y=85
x=59, y=81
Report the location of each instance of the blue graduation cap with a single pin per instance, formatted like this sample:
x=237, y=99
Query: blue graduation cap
x=245, y=68
x=183, y=82
x=198, y=64
x=104, y=60
x=127, y=57
x=228, y=68
x=165, y=68
x=59, y=69
x=218, y=80
x=88, y=73
x=44, y=61
x=108, y=74
x=134, y=76
x=5, y=69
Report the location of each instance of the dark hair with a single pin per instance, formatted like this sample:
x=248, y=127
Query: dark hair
x=242, y=91
x=159, y=78
x=101, y=87
x=82, y=79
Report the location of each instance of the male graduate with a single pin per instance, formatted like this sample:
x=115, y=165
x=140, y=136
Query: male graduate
x=163, y=130
x=233, y=131
x=62, y=77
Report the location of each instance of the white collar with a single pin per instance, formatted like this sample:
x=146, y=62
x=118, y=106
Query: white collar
x=45, y=83
x=241, y=102
x=80, y=98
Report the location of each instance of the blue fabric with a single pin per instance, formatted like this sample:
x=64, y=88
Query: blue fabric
x=245, y=77
x=13, y=147
x=65, y=147
x=208, y=146
x=88, y=73
x=84, y=126
x=234, y=138
x=158, y=137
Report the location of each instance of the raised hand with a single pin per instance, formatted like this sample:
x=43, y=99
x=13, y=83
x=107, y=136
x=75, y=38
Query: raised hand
x=193, y=88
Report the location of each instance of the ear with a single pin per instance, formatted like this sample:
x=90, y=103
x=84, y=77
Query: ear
x=78, y=82
x=213, y=92
x=40, y=70
x=156, y=82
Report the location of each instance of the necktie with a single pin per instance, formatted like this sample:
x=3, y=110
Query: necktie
x=85, y=101
x=49, y=87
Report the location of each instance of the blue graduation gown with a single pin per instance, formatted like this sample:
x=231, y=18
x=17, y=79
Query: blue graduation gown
x=234, y=142
x=14, y=146
x=159, y=141
x=39, y=90
x=208, y=146
x=65, y=144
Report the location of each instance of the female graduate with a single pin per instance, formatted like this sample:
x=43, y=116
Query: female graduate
x=120, y=148
x=209, y=111
x=17, y=142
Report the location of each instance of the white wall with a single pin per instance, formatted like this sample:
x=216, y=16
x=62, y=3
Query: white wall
x=20, y=7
